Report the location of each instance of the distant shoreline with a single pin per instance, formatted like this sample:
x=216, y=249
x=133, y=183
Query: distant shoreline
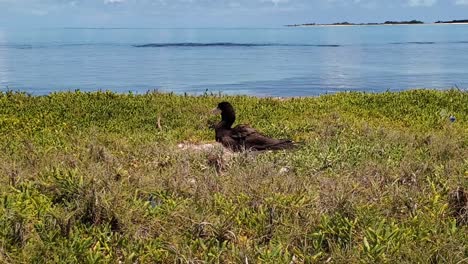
x=387, y=23
x=365, y=25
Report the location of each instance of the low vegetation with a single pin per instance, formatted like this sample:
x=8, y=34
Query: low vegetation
x=99, y=178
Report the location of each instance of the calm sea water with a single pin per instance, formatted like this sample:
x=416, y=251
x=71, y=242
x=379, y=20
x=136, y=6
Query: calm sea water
x=264, y=62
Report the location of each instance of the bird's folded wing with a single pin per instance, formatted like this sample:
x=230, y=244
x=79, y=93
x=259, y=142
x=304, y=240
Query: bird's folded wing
x=240, y=132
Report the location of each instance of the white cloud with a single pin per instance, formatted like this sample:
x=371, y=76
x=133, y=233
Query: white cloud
x=275, y=2
x=461, y=2
x=113, y=1
x=422, y=2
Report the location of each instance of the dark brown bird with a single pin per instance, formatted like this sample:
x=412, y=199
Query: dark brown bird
x=243, y=137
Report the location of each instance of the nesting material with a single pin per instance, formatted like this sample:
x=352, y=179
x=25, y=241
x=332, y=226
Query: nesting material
x=208, y=148
x=201, y=147
x=217, y=155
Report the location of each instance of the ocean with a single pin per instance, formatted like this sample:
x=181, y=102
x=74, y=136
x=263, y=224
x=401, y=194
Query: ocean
x=287, y=61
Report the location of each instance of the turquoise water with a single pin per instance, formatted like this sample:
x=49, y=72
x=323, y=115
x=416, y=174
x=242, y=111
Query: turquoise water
x=263, y=62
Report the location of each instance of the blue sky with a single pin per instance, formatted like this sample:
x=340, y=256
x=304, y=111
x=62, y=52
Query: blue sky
x=219, y=13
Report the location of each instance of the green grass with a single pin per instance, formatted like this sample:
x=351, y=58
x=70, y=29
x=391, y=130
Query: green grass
x=93, y=178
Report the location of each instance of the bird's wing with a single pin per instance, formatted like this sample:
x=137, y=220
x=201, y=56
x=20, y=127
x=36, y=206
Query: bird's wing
x=230, y=142
x=240, y=132
x=249, y=138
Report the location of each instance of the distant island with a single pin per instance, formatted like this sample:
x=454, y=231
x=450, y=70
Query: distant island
x=411, y=22
x=465, y=21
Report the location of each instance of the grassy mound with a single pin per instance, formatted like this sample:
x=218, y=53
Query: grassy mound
x=98, y=177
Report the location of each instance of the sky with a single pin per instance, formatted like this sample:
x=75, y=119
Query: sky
x=220, y=13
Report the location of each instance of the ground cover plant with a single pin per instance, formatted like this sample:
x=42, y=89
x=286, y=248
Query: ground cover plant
x=99, y=178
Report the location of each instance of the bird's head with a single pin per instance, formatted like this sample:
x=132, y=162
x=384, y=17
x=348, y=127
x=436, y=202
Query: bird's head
x=223, y=107
x=227, y=112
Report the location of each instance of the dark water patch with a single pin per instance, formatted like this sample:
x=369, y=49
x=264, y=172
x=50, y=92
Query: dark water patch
x=229, y=44
x=414, y=42
x=190, y=44
x=330, y=46
x=23, y=46
x=164, y=45
x=429, y=42
x=422, y=42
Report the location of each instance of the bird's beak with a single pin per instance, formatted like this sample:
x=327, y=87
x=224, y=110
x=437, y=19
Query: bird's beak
x=216, y=111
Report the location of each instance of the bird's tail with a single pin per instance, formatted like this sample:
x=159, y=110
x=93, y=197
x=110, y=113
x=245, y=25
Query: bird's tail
x=282, y=144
